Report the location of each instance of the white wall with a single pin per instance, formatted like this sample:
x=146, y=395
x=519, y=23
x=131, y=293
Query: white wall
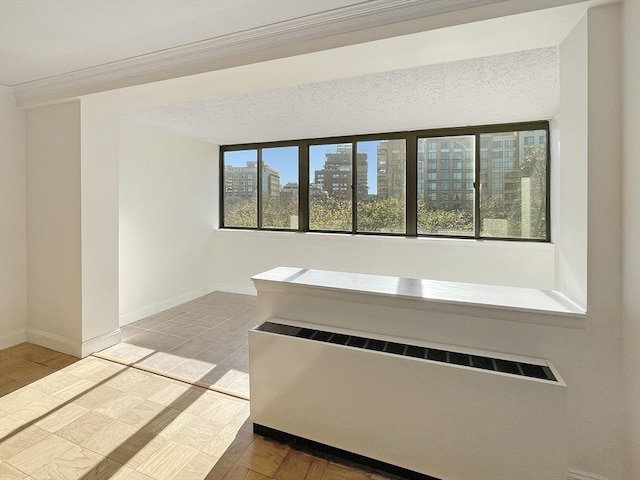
x=53, y=225
x=72, y=200
x=13, y=228
x=631, y=231
x=498, y=263
x=167, y=215
x=569, y=167
x=99, y=224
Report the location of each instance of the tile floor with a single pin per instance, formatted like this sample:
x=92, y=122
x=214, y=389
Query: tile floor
x=97, y=419
x=203, y=342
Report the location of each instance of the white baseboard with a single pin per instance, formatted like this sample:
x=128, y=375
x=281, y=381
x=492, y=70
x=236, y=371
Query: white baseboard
x=54, y=342
x=578, y=475
x=13, y=338
x=71, y=347
x=242, y=289
x=101, y=342
x=127, y=318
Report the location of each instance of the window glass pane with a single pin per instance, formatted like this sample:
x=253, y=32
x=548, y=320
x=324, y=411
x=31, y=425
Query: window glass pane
x=513, y=199
x=382, y=165
x=330, y=187
x=240, y=188
x=446, y=217
x=279, y=201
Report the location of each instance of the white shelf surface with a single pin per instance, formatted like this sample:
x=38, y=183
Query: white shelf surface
x=537, y=301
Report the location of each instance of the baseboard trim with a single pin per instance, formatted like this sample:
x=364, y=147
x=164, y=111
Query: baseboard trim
x=100, y=343
x=578, y=475
x=242, y=289
x=54, y=342
x=73, y=347
x=13, y=338
x=144, y=312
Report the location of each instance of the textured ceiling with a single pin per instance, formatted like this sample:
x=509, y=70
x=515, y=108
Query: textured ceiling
x=498, y=89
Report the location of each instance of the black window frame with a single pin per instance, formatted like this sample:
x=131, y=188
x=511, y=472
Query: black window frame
x=411, y=139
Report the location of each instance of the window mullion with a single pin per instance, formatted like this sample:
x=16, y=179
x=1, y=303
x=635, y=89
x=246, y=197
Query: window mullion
x=303, y=186
x=259, y=189
x=476, y=191
x=354, y=188
x=411, y=185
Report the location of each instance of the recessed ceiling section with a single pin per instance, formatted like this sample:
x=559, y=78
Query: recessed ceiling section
x=512, y=87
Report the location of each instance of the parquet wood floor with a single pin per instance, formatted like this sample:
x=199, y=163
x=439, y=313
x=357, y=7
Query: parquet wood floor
x=68, y=419
x=202, y=342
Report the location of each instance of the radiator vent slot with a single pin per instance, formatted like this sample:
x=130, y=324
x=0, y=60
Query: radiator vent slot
x=416, y=351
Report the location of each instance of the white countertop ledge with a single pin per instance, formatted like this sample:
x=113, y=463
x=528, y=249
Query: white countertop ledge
x=470, y=295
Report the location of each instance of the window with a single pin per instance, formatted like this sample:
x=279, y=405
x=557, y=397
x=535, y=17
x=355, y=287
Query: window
x=523, y=213
x=279, y=193
x=384, y=190
x=330, y=202
x=444, y=220
x=240, y=199
x=360, y=184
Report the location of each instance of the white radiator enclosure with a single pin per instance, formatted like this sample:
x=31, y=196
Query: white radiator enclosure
x=448, y=421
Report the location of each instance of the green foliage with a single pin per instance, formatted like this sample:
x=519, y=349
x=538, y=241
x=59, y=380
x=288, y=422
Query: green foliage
x=327, y=213
x=241, y=214
x=386, y=215
x=445, y=222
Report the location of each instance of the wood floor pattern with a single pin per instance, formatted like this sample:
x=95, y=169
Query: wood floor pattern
x=92, y=419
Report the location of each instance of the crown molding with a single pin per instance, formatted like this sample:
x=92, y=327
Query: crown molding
x=368, y=14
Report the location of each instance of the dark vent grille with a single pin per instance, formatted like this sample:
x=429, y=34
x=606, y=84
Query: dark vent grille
x=402, y=349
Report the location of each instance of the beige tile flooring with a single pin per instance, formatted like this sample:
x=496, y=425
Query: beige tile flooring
x=203, y=342
x=96, y=419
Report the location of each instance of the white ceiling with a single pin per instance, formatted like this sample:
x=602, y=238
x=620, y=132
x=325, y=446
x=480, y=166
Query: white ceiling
x=44, y=38
x=504, y=88
x=501, y=69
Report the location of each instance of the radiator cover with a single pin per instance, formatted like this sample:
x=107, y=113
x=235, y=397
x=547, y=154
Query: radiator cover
x=440, y=419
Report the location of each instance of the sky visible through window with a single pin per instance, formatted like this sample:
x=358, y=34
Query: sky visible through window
x=285, y=160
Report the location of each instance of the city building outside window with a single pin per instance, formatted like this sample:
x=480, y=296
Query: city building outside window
x=386, y=184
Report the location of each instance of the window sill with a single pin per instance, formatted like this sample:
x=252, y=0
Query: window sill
x=517, y=304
